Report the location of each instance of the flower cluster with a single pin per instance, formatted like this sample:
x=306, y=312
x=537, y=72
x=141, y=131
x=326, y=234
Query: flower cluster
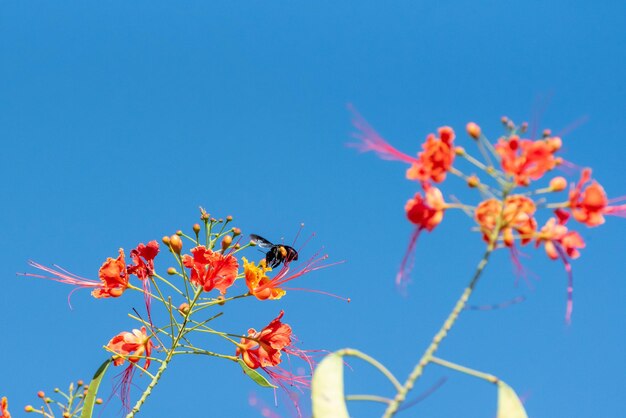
x=203, y=277
x=506, y=214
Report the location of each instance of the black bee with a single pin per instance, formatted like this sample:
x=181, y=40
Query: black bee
x=277, y=253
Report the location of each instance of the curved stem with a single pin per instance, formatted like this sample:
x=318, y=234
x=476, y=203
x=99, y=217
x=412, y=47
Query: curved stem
x=356, y=353
x=441, y=334
x=369, y=398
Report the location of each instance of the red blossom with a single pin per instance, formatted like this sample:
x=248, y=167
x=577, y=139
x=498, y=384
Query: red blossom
x=4, y=408
x=436, y=158
x=113, y=277
x=131, y=346
x=210, y=269
x=589, y=205
x=527, y=160
x=143, y=257
x=425, y=213
x=263, y=349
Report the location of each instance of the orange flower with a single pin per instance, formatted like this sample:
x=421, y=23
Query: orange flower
x=589, y=206
x=4, y=405
x=263, y=350
x=562, y=244
x=436, y=158
x=517, y=216
x=210, y=269
x=258, y=282
x=113, y=277
x=131, y=346
x=558, y=241
x=527, y=160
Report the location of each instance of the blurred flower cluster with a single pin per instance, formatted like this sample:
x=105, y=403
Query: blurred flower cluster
x=514, y=181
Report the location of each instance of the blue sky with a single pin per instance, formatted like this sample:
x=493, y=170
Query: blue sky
x=119, y=119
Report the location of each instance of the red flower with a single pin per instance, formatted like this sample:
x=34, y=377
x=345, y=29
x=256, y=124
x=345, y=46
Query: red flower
x=436, y=158
x=425, y=213
x=263, y=349
x=589, y=206
x=143, y=257
x=527, y=160
x=131, y=346
x=210, y=269
x=113, y=277
x=4, y=405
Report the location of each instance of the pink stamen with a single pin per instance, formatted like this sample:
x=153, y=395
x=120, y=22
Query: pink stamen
x=372, y=141
x=402, y=277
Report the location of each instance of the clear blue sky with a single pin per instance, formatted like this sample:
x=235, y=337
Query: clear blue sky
x=118, y=119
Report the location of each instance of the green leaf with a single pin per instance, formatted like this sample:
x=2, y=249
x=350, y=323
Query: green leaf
x=90, y=399
x=258, y=378
x=509, y=405
x=327, y=389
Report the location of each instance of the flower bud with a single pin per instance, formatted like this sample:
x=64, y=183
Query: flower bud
x=558, y=184
x=221, y=300
x=459, y=150
x=205, y=216
x=473, y=181
x=48, y=400
x=80, y=383
x=236, y=231
x=226, y=241
x=229, y=218
x=196, y=228
x=183, y=308
x=166, y=240
x=176, y=244
x=237, y=246
x=40, y=394
x=171, y=271
x=29, y=408
x=66, y=414
x=99, y=401
x=179, y=233
x=555, y=143
x=473, y=130
x=547, y=133
x=524, y=127
x=504, y=120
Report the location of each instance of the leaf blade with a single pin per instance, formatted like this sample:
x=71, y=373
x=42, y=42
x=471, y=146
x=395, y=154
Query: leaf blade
x=90, y=398
x=327, y=391
x=509, y=404
x=257, y=377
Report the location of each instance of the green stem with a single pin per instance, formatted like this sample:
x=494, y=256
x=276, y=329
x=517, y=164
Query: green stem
x=370, y=398
x=443, y=332
x=488, y=377
x=181, y=332
x=356, y=353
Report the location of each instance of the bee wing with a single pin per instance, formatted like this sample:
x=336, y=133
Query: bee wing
x=260, y=241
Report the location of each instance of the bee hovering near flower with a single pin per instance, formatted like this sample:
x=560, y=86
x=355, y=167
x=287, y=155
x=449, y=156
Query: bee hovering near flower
x=277, y=253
